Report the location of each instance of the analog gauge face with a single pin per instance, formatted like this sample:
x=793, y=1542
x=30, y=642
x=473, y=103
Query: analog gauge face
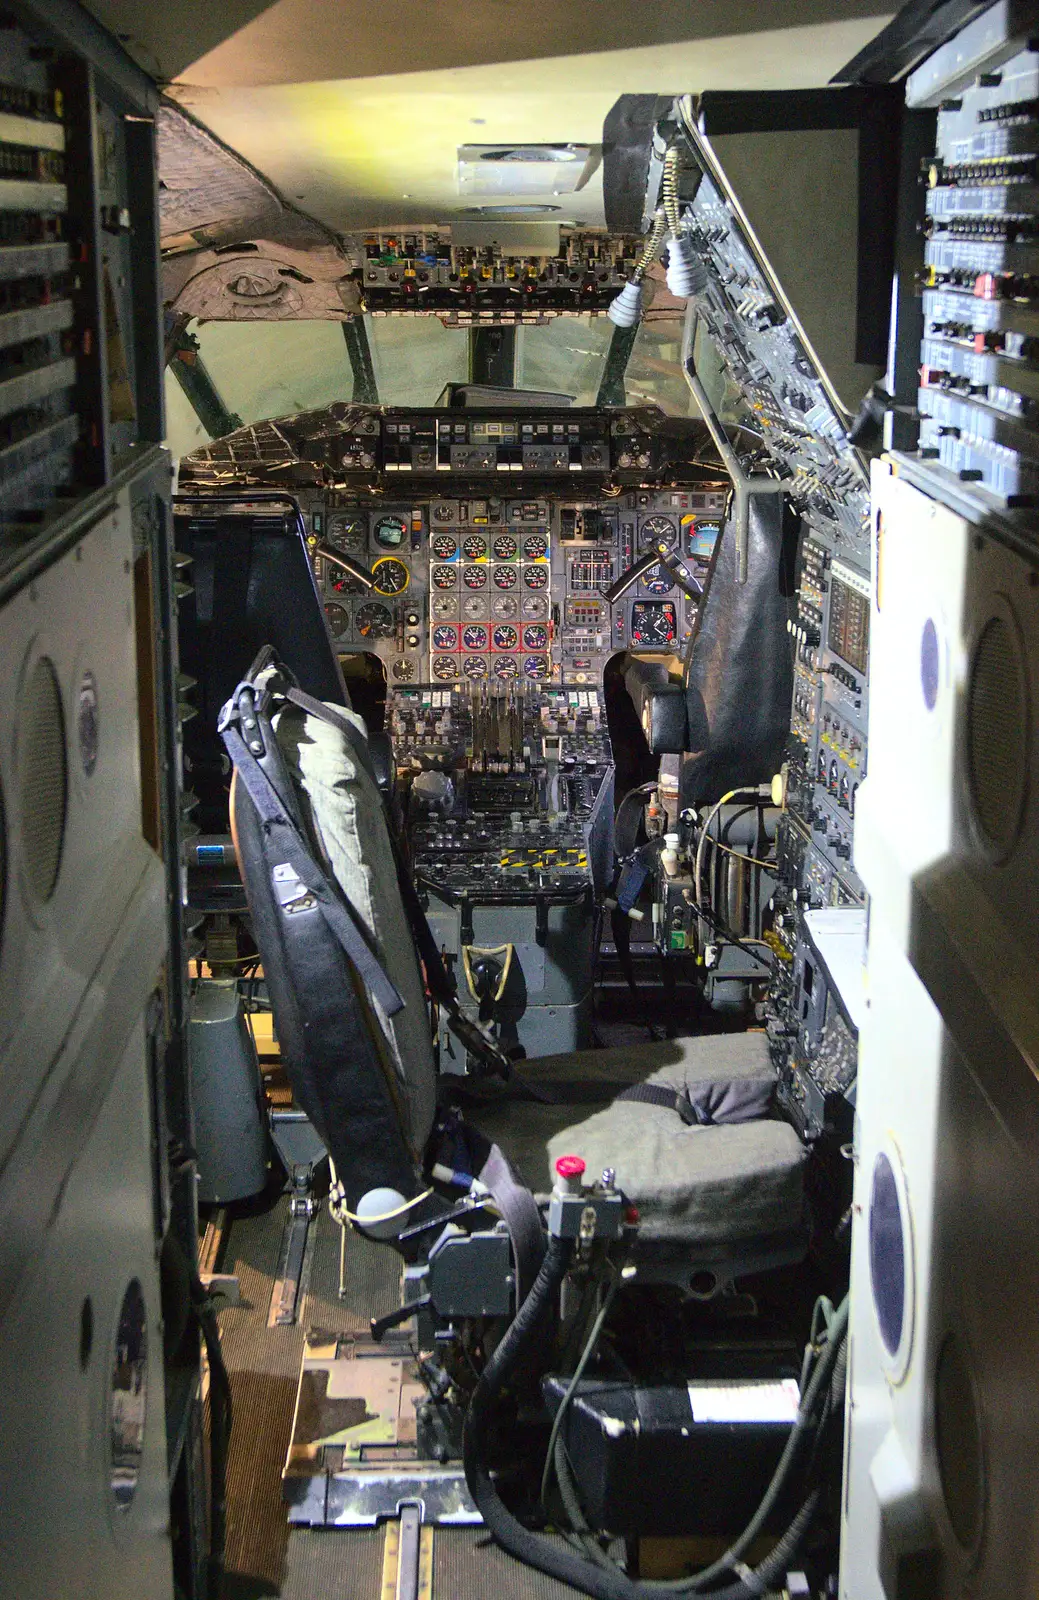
x=444, y=511
x=445, y=637
x=653, y=624
x=535, y=577
x=403, y=670
x=444, y=577
x=475, y=667
x=506, y=667
x=443, y=546
x=505, y=636
x=535, y=547
x=338, y=619
x=474, y=607
x=373, y=621
x=504, y=605
x=505, y=547
x=390, y=532
x=444, y=606
x=535, y=636
x=474, y=636
x=444, y=667
x=391, y=575
x=657, y=581
x=474, y=547
x=505, y=577
x=535, y=667
x=535, y=605
x=346, y=533
x=657, y=530
x=474, y=577
x=341, y=581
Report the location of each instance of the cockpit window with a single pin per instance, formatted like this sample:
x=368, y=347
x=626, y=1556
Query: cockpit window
x=264, y=369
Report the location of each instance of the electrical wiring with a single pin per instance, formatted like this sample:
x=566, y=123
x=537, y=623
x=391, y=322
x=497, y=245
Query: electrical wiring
x=586, y=1355
x=741, y=855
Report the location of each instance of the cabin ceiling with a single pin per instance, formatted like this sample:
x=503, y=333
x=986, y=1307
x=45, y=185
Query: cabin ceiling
x=356, y=113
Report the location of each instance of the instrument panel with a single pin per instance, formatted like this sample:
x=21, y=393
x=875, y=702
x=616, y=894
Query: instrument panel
x=500, y=590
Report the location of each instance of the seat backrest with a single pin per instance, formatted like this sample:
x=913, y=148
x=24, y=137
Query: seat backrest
x=740, y=677
x=363, y=1072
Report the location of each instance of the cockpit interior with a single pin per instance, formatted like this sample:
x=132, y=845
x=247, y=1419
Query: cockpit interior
x=519, y=800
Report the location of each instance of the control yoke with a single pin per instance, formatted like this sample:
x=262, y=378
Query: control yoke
x=348, y=564
x=661, y=555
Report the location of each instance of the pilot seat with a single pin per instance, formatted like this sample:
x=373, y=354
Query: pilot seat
x=687, y=1128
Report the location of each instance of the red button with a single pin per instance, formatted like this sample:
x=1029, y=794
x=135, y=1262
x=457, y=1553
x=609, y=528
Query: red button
x=570, y=1167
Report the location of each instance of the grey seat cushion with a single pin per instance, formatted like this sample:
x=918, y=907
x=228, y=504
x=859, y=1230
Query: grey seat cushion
x=694, y=1186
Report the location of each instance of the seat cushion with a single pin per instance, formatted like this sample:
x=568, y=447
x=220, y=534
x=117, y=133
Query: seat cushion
x=693, y=1185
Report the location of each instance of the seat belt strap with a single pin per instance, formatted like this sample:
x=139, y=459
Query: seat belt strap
x=657, y=1094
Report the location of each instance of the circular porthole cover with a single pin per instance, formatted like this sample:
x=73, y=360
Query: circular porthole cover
x=887, y=1255
x=128, y=1396
x=997, y=734
x=958, y=1443
x=43, y=799
x=929, y=664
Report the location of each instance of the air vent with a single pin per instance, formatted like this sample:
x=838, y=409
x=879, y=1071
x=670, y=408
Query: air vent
x=44, y=779
x=997, y=735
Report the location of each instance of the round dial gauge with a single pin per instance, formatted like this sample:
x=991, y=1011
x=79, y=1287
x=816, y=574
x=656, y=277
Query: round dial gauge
x=346, y=533
x=391, y=575
x=535, y=667
x=505, y=547
x=373, y=621
x=475, y=667
x=342, y=582
x=338, y=618
x=535, y=577
x=655, y=530
x=403, y=670
x=443, y=546
x=390, y=532
x=474, y=546
x=652, y=624
x=504, y=605
x=535, y=605
x=535, y=547
x=657, y=581
x=474, y=636
x=445, y=637
x=444, y=511
x=505, y=636
x=535, y=636
x=445, y=667
x=474, y=577
x=444, y=577
x=444, y=605
x=505, y=577
x=474, y=607
x=506, y=667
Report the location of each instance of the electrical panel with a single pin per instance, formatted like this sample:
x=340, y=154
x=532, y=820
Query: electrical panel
x=426, y=273
x=978, y=363
x=742, y=321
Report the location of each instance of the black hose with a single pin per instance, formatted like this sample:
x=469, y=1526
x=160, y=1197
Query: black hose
x=530, y=1548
